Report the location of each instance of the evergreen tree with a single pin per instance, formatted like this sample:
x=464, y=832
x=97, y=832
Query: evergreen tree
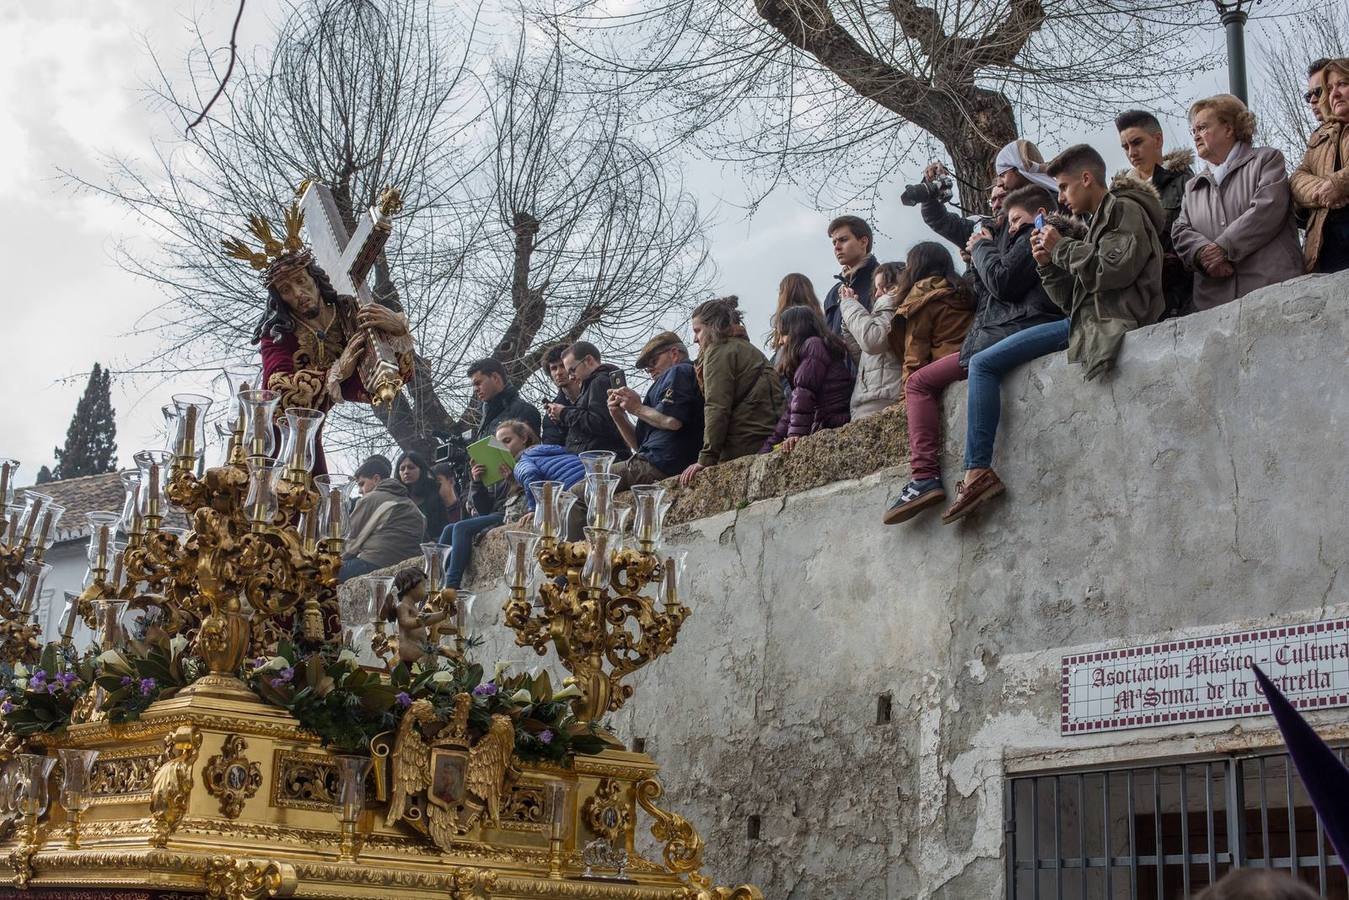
x=91, y=440
x=45, y=475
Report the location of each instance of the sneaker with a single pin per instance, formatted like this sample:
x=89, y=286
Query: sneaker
x=916, y=497
x=973, y=495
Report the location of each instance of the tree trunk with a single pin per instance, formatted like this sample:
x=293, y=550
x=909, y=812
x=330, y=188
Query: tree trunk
x=973, y=144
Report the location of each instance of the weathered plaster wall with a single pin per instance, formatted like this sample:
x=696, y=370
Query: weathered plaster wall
x=1201, y=488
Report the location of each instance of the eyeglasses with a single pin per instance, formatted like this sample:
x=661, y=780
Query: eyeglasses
x=1313, y=95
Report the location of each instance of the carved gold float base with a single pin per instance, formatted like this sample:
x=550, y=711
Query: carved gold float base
x=222, y=795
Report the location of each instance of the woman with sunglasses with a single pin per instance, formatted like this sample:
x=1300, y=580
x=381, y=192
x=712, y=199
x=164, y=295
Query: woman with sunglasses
x=1321, y=181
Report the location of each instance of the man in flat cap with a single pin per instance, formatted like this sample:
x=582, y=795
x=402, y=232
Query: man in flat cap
x=669, y=429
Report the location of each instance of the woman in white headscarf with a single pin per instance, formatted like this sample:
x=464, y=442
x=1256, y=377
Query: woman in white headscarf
x=1020, y=163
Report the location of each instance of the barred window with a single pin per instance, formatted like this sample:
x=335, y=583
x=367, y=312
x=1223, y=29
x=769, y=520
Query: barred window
x=1164, y=831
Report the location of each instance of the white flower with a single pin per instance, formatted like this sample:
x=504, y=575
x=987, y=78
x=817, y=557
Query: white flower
x=177, y=645
x=347, y=655
x=502, y=667
x=567, y=693
x=275, y=664
x=107, y=658
x=522, y=696
x=442, y=677
x=20, y=670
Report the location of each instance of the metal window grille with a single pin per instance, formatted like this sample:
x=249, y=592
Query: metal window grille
x=1163, y=832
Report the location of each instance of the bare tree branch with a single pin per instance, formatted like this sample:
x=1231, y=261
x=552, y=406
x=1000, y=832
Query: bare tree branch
x=832, y=96
x=532, y=213
x=224, y=79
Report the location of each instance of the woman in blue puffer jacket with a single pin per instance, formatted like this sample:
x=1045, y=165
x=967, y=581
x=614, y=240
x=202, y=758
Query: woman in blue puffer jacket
x=538, y=462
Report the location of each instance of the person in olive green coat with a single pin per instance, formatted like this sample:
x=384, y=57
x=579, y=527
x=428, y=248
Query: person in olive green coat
x=1109, y=281
x=742, y=394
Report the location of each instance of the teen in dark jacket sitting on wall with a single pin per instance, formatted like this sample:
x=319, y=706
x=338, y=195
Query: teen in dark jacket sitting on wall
x=815, y=361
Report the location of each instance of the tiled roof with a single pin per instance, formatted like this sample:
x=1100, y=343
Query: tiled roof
x=90, y=493
x=79, y=496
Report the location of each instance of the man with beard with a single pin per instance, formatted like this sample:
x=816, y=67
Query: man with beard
x=311, y=339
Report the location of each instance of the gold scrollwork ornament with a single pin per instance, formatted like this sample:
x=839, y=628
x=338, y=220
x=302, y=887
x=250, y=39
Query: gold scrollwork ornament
x=247, y=879
x=683, y=850
x=231, y=777
x=172, y=784
x=606, y=812
x=465, y=882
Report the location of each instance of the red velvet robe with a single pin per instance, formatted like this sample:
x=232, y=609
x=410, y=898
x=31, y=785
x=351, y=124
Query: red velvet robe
x=296, y=367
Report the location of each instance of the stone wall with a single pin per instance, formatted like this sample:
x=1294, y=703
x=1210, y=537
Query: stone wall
x=1201, y=488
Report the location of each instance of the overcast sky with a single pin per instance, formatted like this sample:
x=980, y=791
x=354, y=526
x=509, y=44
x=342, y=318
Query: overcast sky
x=71, y=74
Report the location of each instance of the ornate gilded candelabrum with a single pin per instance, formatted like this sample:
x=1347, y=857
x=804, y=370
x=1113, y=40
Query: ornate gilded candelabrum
x=590, y=601
x=258, y=563
x=27, y=530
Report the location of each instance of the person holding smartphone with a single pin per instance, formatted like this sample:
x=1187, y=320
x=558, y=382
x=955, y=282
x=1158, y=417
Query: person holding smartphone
x=669, y=430
x=1012, y=305
x=588, y=423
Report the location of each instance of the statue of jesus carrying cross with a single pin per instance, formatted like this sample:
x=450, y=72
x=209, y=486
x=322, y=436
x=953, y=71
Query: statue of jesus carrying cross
x=323, y=337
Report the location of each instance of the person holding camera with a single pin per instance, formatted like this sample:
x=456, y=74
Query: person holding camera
x=1014, y=303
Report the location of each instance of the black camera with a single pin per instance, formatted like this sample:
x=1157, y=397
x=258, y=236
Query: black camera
x=940, y=189
x=452, y=449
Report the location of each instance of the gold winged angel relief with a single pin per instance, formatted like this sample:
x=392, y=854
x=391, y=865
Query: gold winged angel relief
x=442, y=785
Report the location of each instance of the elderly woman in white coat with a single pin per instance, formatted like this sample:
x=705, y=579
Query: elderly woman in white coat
x=880, y=371
x=1235, y=230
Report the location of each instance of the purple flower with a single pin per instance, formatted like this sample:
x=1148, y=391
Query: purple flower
x=126, y=679
x=148, y=686
x=6, y=707
x=68, y=678
x=285, y=675
x=259, y=662
x=54, y=687
x=403, y=699
x=38, y=678
x=486, y=689
x=546, y=736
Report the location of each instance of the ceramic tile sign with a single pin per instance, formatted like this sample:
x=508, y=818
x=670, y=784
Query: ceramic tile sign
x=1205, y=678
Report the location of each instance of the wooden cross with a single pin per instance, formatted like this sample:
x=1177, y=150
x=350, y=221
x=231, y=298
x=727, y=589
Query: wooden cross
x=347, y=260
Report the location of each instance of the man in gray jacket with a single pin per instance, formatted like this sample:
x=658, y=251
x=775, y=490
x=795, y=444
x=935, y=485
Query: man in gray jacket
x=386, y=526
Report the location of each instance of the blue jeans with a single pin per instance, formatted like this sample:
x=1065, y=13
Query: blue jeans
x=987, y=369
x=354, y=568
x=460, y=537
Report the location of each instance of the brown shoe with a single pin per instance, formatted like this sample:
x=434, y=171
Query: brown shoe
x=971, y=496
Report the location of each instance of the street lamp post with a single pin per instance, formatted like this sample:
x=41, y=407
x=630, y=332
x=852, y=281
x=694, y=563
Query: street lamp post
x=1233, y=15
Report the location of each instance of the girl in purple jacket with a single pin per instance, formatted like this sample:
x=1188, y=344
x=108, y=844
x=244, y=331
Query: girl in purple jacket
x=815, y=361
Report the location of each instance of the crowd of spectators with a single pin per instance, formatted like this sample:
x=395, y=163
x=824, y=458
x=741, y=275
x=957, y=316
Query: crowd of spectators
x=1070, y=259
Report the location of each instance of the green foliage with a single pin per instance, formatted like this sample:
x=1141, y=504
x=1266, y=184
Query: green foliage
x=91, y=439
x=346, y=705
x=132, y=680
x=45, y=475
x=330, y=693
x=42, y=699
